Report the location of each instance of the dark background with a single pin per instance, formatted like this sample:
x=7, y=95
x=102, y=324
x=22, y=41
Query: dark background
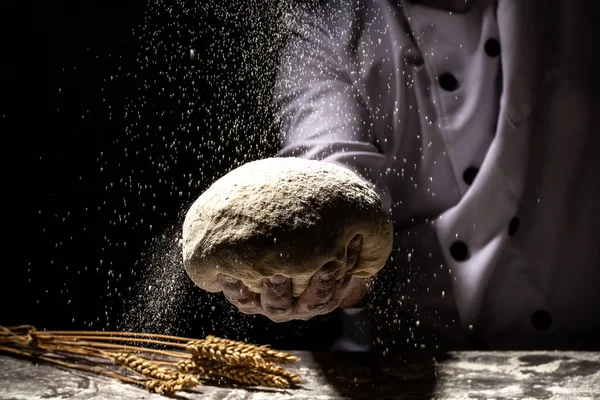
x=111, y=129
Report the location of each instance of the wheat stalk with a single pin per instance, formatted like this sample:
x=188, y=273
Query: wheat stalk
x=176, y=368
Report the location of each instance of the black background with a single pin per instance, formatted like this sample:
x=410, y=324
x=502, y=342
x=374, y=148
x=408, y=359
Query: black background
x=111, y=129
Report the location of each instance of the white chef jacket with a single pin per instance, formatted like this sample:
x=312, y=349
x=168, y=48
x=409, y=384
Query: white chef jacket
x=476, y=120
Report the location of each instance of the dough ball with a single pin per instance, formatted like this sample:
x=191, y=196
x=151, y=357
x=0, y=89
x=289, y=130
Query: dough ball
x=286, y=216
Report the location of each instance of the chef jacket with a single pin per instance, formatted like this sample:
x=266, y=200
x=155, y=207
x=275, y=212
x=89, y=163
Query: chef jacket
x=477, y=122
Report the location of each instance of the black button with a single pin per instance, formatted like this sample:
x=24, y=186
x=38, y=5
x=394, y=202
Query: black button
x=470, y=174
x=492, y=48
x=541, y=320
x=513, y=226
x=448, y=82
x=459, y=251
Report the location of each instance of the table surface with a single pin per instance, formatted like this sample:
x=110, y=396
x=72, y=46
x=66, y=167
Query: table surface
x=335, y=376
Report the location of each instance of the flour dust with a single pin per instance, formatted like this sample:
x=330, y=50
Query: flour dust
x=158, y=299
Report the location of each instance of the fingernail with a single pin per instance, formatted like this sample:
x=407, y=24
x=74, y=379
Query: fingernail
x=327, y=275
x=328, y=270
x=277, y=279
x=355, y=242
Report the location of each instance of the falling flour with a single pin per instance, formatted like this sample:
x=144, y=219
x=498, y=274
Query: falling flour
x=157, y=303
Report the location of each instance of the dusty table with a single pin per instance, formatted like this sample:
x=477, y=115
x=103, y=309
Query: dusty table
x=328, y=376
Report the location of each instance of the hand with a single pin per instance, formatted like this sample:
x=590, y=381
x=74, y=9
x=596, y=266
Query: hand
x=322, y=295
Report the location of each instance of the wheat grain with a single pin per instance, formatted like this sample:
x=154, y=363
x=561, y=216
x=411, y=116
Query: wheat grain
x=145, y=367
x=187, y=367
x=229, y=354
x=264, y=351
x=280, y=371
x=203, y=367
x=171, y=386
x=239, y=373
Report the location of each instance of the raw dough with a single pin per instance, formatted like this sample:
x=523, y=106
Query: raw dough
x=287, y=216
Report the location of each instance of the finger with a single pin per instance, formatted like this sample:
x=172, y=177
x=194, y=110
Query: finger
x=251, y=306
x=319, y=290
x=247, y=305
x=276, y=295
x=355, y=242
x=233, y=288
x=285, y=317
x=328, y=271
x=352, y=254
x=353, y=251
x=238, y=294
x=340, y=288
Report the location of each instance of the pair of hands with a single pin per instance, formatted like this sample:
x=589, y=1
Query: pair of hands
x=322, y=295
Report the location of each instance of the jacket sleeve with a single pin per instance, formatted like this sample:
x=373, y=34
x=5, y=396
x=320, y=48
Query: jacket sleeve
x=320, y=112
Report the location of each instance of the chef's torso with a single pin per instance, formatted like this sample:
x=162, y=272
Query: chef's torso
x=482, y=114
